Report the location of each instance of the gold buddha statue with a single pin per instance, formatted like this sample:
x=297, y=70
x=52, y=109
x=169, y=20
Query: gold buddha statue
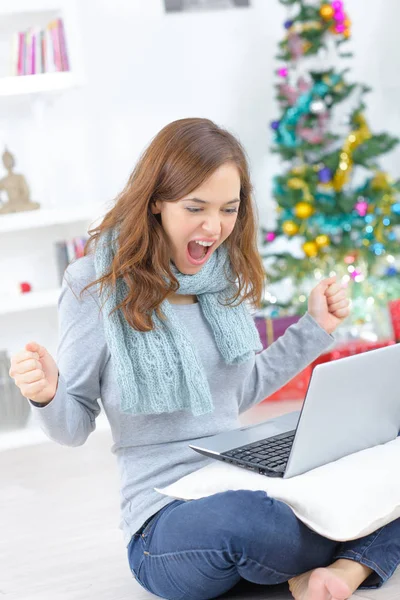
x=16, y=188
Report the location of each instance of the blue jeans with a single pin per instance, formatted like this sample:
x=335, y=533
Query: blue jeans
x=200, y=549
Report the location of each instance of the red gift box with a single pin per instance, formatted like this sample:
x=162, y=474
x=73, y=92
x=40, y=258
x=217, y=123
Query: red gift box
x=394, y=310
x=271, y=329
x=351, y=348
x=296, y=388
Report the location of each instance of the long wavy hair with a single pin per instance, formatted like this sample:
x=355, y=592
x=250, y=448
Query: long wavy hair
x=178, y=160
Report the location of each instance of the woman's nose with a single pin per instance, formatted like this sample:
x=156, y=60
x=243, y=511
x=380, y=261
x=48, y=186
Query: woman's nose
x=212, y=225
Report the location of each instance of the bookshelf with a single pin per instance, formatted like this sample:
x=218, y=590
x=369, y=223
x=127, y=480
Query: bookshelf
x=47, y=218
x=32, y=227
x=29, y=20
x=14, y=303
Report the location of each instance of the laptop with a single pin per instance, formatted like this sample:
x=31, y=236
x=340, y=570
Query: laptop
x=351, y=404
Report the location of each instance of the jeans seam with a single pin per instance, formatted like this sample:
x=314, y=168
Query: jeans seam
x=362, y=559
x=213, y=550
x=368, y=563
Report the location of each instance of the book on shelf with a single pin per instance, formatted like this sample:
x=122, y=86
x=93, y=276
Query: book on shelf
x=68, y=251
x=36, y=51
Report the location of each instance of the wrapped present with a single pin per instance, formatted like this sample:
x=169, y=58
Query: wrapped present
x=295, y=389
x=394, y=310
x=351, y=348
x=271, y=329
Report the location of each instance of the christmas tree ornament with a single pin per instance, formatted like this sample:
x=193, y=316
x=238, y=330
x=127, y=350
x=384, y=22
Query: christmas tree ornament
x=295, y=183
x=380, y=181
x=310, y=249
x=322, y=241
x=326, y=11
x=317, y=107
x=325, y=175
x=299, y=170
x=361, y=207
x=303, y=210
x=290, y=227
x=270, y=236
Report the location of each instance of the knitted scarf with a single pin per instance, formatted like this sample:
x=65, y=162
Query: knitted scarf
x=159, y=371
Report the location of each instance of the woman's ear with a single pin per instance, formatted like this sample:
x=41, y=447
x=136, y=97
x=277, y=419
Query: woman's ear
x=155, y=209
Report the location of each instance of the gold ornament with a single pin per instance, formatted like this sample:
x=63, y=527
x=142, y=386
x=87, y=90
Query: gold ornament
x=310, y=249
x=326, y=11
x=354, y=139
x=303, y=210
x=310, y=25
x=290, y=227
x=300, y=170
x=295, y=183
x=322, y=240
x=380, y=181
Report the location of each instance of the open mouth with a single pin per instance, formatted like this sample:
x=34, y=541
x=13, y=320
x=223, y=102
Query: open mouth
x=198, y=254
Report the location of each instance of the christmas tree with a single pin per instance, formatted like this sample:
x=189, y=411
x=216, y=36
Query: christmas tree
x=337, y=210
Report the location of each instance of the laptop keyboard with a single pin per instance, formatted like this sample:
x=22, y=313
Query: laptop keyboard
x=272, y=453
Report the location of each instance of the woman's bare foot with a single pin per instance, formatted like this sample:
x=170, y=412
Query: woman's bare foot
x=336, y=582
x=320, y=584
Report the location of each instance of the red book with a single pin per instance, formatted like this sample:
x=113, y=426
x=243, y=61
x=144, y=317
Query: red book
x=63, y=46
x=21, y=53
x=53, y=27
x=33, y=54
x=43, y=52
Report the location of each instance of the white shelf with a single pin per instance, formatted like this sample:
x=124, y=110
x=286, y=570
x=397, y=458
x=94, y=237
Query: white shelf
x=29, y=301
x=32, y=434
x=47, y=217
x=37, y=84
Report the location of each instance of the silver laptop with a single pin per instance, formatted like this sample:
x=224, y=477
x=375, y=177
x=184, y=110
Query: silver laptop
x=351, y=404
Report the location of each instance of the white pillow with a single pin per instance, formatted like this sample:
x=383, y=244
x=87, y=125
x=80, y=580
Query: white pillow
x=343, y=500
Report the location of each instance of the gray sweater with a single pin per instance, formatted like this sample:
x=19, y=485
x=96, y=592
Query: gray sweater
x=153, y=450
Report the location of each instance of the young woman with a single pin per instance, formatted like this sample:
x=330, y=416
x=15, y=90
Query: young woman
x=154, y=320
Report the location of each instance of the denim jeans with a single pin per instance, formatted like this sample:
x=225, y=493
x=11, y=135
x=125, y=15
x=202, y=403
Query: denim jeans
x=199, y=549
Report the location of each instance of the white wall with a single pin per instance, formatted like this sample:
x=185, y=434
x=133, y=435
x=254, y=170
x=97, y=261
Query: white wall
x=144, y=69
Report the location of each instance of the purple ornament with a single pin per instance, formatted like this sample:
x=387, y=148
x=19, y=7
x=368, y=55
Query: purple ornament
x=361, y=207
x=283, y=72
x=325, y=175
x=340, y=28
x=275, y=125
x=288, y=24
x=355, y=274
x=337, y=5
x=270, y=236
x=339, y=15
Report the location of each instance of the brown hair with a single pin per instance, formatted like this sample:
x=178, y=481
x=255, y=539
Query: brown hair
x=178, y=160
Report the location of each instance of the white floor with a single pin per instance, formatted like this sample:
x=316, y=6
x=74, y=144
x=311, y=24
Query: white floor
x=59, y=514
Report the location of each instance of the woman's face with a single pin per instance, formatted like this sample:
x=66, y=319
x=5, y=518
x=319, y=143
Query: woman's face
x=207, y=214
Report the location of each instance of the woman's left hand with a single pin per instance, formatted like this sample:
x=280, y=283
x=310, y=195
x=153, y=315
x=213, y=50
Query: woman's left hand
x=328, y=304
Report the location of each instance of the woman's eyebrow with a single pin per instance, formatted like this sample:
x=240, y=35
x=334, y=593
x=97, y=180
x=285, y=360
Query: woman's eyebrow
x=205, y=201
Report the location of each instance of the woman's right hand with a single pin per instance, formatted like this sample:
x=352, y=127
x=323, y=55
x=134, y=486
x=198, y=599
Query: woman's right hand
x=35, y=373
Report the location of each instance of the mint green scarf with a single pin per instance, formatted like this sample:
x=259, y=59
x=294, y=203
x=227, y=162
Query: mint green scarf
x=159, y=371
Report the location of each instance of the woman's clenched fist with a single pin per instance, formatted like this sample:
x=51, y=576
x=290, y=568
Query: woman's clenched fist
x=35, y=373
